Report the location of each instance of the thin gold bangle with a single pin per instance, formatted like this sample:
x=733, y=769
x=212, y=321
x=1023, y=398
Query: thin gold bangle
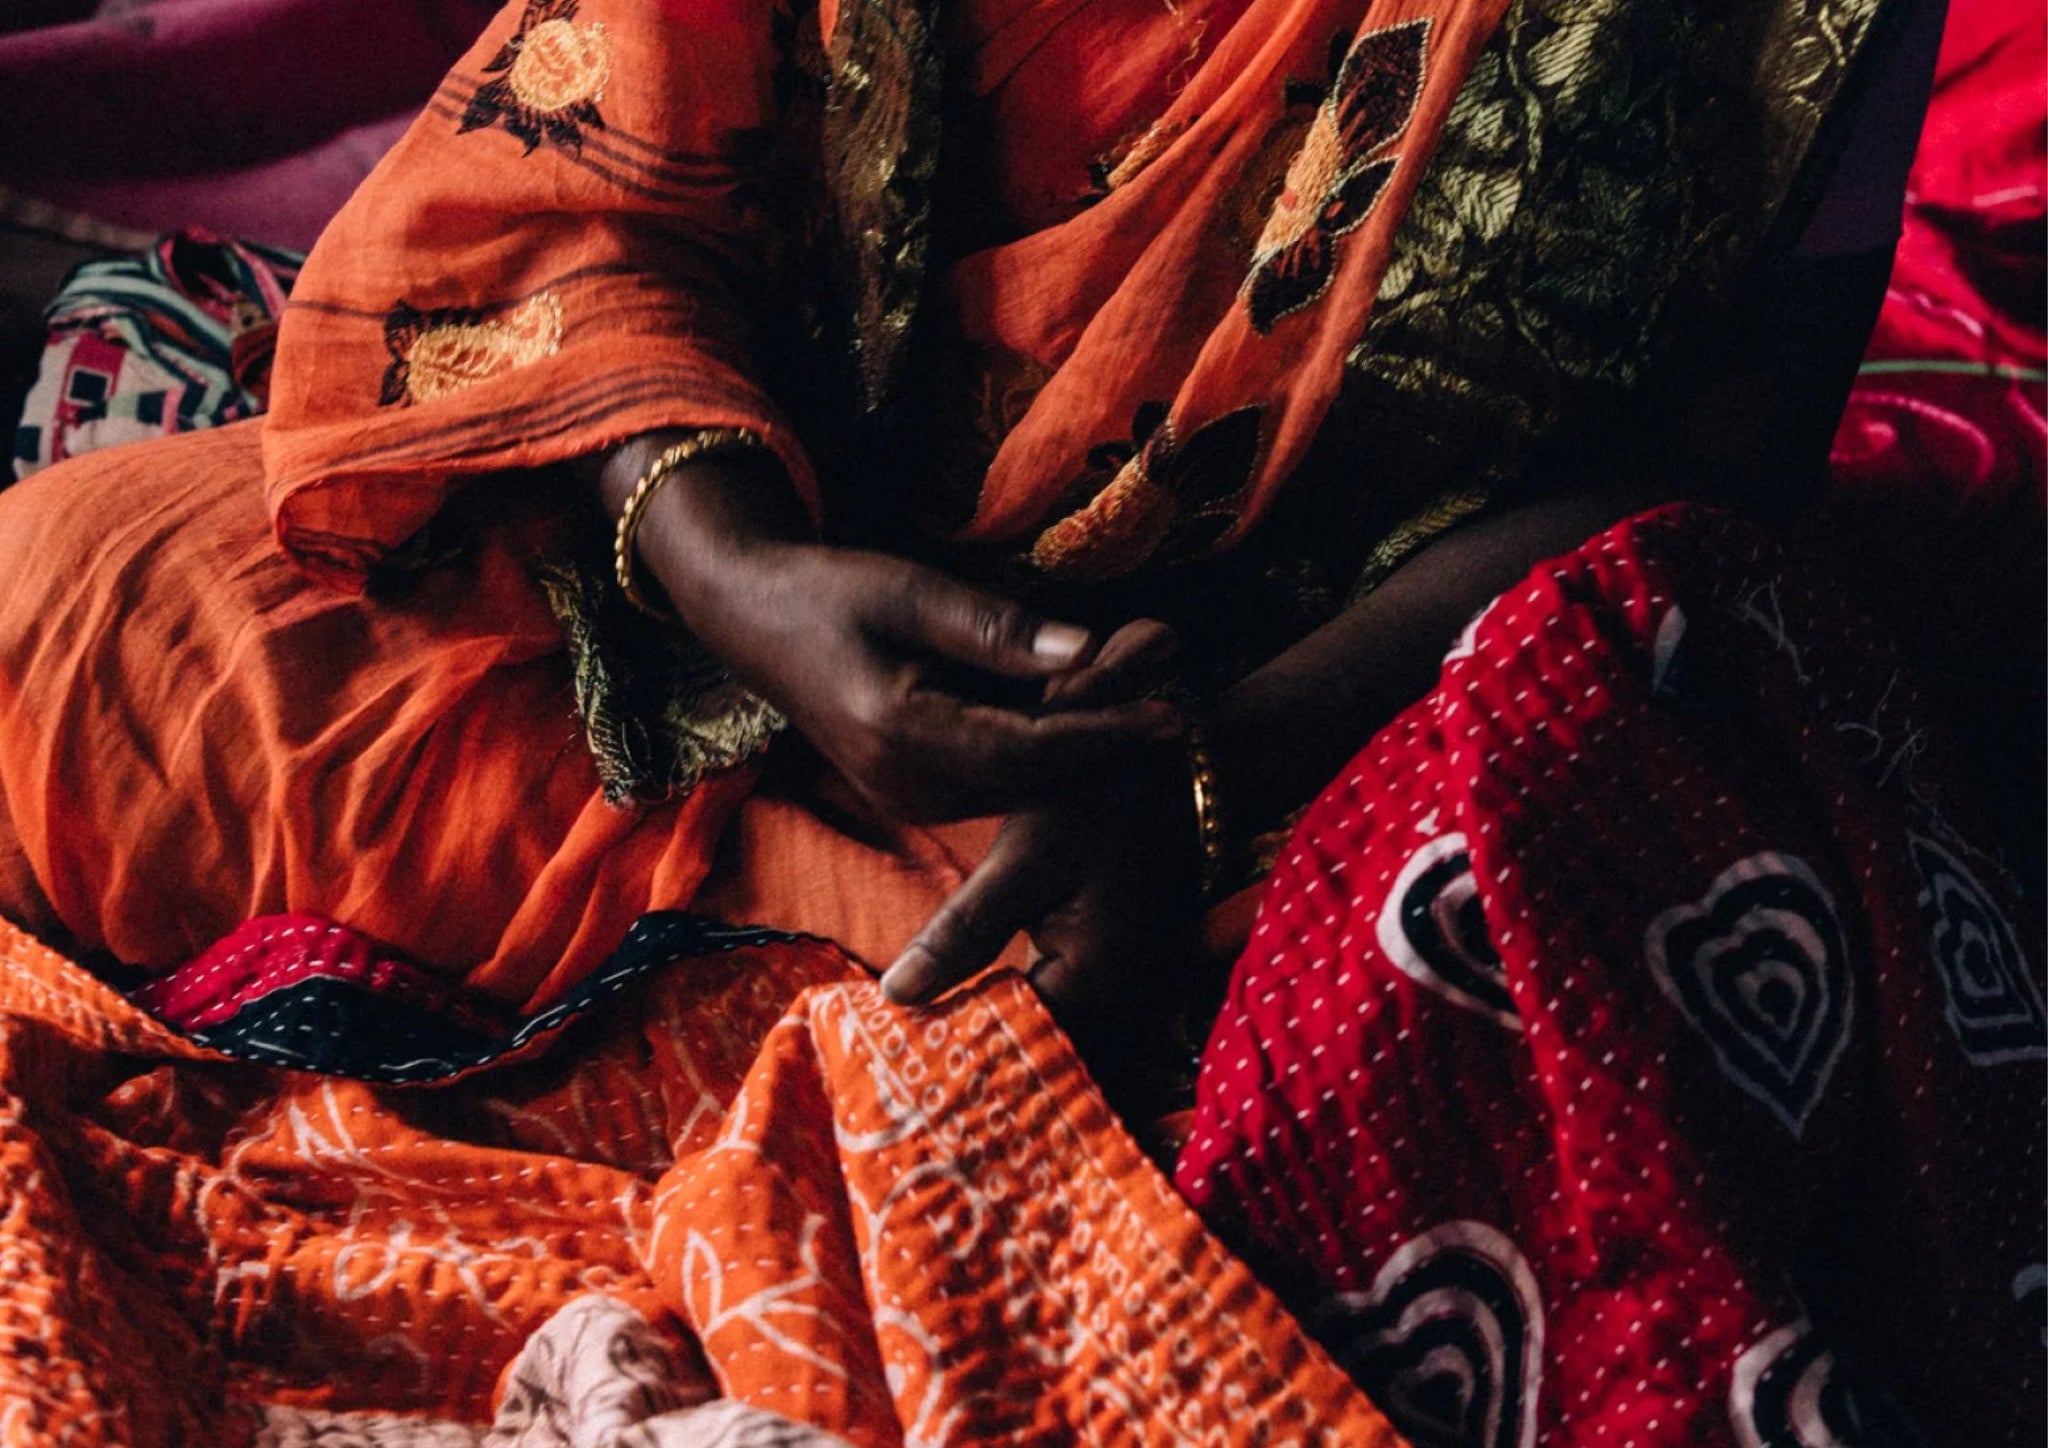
x=709, y=441
x=1208, y=816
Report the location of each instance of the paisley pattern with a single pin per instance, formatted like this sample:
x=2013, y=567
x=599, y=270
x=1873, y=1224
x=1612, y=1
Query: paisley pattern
x=1449, y=1341
x=1994, y=1002
x=1759, y=967
x=435, y=353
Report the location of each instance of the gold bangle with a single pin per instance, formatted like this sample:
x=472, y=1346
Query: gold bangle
x=708, y=442
x=1208, y=817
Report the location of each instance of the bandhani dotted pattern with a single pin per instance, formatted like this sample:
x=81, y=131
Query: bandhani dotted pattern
x=746, y=1197
x=1634, y=996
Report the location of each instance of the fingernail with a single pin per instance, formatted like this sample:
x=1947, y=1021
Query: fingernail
x=907, y=981
x=1059, y=643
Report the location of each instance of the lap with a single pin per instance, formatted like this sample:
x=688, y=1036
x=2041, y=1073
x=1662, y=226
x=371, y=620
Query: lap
x=196, y=735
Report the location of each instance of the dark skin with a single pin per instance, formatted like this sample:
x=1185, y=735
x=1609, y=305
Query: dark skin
x=875, y=659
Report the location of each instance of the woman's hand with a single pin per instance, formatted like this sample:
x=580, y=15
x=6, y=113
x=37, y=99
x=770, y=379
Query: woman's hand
x=891, y=669
x=1103, y=877
x=875, y=659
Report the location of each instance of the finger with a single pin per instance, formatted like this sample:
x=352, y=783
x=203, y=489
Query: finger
x=984, y=630
x=1084, y=948
x=1010, y=889
x=1132, y=663
x=988, y=760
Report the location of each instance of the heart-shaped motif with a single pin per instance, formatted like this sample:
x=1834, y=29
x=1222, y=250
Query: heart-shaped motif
x=1759, y=967
x=1449, y=1341
x=1433, y=930
x=1789, y=1391
x=1994, y=1005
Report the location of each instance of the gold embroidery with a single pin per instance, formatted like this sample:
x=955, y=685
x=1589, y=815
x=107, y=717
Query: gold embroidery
x=1585, y=212
x=1119, y=529
x=1255, y=193
x=460, y=349
x=1150, y=145
x=1310, y=178
x=545, y=82
x=561, y=64
x=1336, y=179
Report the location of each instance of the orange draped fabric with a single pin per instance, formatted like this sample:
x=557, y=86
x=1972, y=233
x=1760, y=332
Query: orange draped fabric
x=579, y=241
x=177, y=759
x=928, y=1231
x=573, y=244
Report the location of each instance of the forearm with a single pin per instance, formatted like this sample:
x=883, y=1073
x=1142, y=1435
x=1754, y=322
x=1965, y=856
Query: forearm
x=1280, y=735
x=1749, y=417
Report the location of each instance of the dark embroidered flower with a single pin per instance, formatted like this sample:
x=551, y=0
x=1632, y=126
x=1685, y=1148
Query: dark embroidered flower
x=1339, y=172
x=547, y=79
x=1162, y=490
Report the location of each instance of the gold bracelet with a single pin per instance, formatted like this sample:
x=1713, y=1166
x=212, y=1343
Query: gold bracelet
x=1208, y=817
x=709, y=441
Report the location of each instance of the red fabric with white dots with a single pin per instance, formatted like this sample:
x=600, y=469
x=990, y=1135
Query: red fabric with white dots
x=1632, y=1048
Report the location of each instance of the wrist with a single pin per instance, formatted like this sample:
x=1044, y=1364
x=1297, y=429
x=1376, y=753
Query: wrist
x=687, y=522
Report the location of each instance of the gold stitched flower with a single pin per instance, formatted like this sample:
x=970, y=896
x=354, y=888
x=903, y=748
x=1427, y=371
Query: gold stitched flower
x=547, y=79
x=1167, y=494
x=439, y=352
x=1338, y=174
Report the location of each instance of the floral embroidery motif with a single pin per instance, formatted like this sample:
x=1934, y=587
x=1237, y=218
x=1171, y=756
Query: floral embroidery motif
x=547, y=79
x=1339, y=173
x=443, y=351
x=1162, y=490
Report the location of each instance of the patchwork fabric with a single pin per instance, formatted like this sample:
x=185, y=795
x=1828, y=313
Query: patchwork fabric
x=1591, y=1036
x=302, y=992
x=177, y=338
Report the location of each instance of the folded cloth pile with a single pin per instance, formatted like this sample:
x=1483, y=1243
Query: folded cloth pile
x=177, y=338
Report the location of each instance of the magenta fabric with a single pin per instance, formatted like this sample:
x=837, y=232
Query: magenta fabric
x=250, y=118
x=1940, y=468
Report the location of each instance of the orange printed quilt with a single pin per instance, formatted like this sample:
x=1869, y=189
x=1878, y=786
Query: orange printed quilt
x=745, y=1202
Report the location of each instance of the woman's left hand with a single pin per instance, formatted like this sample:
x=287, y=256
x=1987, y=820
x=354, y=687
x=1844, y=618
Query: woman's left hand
x=1103, y=878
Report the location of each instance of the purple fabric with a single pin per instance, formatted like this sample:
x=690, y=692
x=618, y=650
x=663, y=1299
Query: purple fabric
x=252, y=118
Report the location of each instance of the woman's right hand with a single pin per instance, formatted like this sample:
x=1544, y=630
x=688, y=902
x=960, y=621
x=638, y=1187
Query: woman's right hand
x=879, y=661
